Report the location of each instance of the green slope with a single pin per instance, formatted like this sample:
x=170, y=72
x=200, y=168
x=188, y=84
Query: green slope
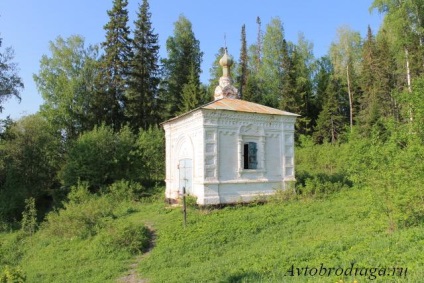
x=358, y=214
x=267, y=243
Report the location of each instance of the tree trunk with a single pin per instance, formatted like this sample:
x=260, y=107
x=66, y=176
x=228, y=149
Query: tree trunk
x=350, y=98
x=333, y=130
x=408, y=81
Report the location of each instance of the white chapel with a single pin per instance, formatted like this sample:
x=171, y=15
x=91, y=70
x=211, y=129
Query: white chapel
x=229, y=150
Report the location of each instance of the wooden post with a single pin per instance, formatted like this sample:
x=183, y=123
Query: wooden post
x=184, y=207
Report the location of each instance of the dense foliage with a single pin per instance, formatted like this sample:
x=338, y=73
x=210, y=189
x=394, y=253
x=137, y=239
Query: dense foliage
x=10, y=82
x=76, y=179
x=30, y=156
x=364, y=209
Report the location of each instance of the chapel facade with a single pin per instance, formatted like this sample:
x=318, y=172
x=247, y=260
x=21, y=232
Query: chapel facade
x=229, y=150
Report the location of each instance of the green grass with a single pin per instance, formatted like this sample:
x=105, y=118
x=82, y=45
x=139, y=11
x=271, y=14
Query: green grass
x=260, y=243
x=364, y=209
x=93, y=240
x=250, y=243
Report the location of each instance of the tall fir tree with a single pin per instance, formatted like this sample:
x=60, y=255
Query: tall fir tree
x=404, y=24
x=321, y=79
x=272, y=70
x=259, y=44
x=184, y=56
x=331, y=120
x=302, y=59
x=386, y=76
x=142, y=103
x=242, y=72
x=252, y=90
x=191, y=96
x=404, y=20
x=288, y=98
x=369, y=112
x=114, y=68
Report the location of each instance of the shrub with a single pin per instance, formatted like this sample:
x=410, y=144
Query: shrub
x=283, y=195
x=100, y=157
x=29, y=217
x=30, y=153
x=124, y=191
x=82, y=216
x=129, y=236
x=150, y=152
x=12, y=275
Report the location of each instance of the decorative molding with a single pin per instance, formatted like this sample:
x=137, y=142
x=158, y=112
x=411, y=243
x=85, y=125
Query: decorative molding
x=210, y=136
x=251, y=130
x=247, y=117
x=244, y=181
x=189, y=121
x=272, y=135
x=227, y=132
x=289, y=126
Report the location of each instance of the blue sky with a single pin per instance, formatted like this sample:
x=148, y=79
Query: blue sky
x=29, y=25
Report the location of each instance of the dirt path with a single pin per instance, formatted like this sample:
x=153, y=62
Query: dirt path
x=132, y=276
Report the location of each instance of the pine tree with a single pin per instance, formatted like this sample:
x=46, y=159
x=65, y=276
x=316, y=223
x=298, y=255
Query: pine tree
x=331, y=120
x=112, y=81
x=320, y=82
x=386, y=77
x=142, y=105
x=252, y=91
x=183, y=54
x=404, y=23
x=273, y=67
x=191, y=94
x=369, y=106
x=288, y=99
x=243, y=61
x=302, y=79
x=259, y=42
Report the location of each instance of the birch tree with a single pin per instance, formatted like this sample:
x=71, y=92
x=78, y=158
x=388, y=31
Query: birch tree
x=345, y=54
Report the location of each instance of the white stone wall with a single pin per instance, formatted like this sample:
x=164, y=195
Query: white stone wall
x=229, y=130
x=184, y=139
x=214, y=139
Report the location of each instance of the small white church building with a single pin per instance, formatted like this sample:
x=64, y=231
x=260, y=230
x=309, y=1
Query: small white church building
x=229, y=150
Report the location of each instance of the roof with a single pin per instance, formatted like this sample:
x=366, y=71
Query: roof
x=244, y=106
x=239, y=105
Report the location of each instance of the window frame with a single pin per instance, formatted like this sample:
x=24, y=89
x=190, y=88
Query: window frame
x=250, y=155
x=260, y=154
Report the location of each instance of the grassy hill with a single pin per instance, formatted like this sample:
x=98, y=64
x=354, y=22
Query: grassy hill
x=265, y=242
x=353, y=217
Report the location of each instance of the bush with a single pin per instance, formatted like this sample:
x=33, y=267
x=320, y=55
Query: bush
x=124, y=191
x=82, y=216
x=100, y=157
x=130, y=237
x=12, y=275
x=29, y=217
x=30, y=153
x=150, y=152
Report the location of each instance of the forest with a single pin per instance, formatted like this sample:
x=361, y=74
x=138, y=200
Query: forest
x=97, y=139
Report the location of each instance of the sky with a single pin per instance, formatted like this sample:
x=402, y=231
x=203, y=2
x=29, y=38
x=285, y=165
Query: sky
x=29, y=25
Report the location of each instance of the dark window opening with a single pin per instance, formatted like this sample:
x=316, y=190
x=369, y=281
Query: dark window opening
x=250, y=156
